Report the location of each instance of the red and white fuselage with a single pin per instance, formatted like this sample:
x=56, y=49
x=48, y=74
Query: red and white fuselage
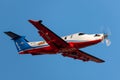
x=77, y=40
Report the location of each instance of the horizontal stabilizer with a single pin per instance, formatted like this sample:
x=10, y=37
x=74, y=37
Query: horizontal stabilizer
x=12, y=35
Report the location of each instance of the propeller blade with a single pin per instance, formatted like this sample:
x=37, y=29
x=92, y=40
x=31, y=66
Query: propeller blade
x=107, y=32
x=108, y=42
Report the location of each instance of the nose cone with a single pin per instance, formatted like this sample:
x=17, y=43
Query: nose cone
x=105, y=36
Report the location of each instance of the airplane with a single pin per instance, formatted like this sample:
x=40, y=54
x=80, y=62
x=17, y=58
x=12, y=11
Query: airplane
x=67, y=46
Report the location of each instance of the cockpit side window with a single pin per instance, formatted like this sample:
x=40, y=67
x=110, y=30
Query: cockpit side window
x=97, y=35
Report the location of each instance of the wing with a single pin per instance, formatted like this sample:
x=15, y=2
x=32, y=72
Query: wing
x=50, y=37
x=56, y=42
x=83, y=56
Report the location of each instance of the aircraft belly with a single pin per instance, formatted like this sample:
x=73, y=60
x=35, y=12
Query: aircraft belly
x=84, y=44
x=43, y=50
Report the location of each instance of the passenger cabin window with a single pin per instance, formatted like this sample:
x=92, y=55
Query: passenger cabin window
x=81, y=34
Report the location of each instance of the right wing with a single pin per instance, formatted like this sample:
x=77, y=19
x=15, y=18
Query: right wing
x=78, y=54
x=50, y=37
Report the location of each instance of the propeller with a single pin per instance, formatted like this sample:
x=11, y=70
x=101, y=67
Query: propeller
x=106, y=33
x=107, y=41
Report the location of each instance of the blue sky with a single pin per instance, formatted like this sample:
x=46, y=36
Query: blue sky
x=63, y=17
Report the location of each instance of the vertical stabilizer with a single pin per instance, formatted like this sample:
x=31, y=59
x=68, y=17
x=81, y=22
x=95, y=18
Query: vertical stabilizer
x=20, y=41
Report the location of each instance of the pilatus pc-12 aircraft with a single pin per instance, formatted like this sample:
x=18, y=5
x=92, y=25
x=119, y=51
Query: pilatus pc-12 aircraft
x=67, y=46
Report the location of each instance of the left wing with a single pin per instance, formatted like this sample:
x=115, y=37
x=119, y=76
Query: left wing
x=78, y=54
x=50, y=37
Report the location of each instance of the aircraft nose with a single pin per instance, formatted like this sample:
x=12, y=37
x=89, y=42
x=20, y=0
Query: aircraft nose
x=105, y=36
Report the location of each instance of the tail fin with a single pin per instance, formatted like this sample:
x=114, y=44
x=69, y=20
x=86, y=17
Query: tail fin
x=20, y=41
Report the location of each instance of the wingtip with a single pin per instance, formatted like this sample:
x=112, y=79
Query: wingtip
x=31, y=21
x=6, y=32
x=102, y=61
x=34, y=21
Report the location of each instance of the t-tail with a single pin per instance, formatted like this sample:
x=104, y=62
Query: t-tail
x=20, y=41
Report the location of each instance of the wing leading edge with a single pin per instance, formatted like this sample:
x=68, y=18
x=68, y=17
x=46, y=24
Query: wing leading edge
x=50, y=37
x=58, y=43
